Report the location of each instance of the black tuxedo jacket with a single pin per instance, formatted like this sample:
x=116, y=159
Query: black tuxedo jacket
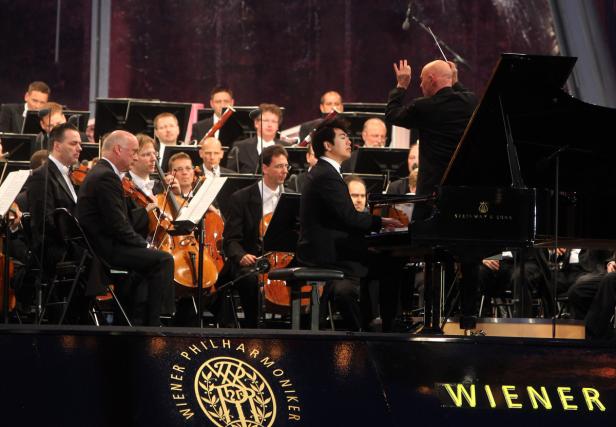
x=348, y=166
x=11, y=118
x=331, y=230
x=399, y=186
x=229, y=133
x=200, y=128
x=58, y=196
x=241, y=234
x=102, y=211
x=244, y=157
x=440, y=120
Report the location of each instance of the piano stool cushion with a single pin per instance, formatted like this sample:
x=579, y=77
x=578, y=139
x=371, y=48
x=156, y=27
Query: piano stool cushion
x=305, y=274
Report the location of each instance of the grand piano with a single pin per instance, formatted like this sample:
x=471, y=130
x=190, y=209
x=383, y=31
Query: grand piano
x=532, y=160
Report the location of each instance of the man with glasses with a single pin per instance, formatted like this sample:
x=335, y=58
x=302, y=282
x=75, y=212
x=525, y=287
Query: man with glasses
x=102, y=212
x=245, y=155
x=242, y=240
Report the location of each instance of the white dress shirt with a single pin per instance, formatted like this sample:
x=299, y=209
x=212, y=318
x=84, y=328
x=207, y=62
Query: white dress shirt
x=145, y=185
x=270, y=197
x=265, y=144
x=64, y=171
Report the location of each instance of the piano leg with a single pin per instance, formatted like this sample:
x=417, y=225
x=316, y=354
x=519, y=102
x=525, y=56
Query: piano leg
x=434, y=277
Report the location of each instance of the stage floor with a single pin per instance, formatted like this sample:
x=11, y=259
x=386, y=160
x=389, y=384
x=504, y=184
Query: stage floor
x=116, y=376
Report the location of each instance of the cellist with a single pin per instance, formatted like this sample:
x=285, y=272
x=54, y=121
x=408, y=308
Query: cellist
x=242, y=242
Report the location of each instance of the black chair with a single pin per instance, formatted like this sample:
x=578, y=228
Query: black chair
x=73, y=235
x=297, y=277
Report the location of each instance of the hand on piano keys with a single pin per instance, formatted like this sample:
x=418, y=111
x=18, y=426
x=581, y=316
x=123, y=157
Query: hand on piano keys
x=392, y=224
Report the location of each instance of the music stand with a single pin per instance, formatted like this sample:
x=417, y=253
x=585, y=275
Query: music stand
x=390, y=162
x=32, y=123
x=297, y=159
x=232, y=129
x=282, y=232
x=375, y=183
x=364, y=107
x=19, y=147
x=234, y=183
x=140, y=115
x=166, y=151
x=110, y=115
x=89, y=151
x=82, y=119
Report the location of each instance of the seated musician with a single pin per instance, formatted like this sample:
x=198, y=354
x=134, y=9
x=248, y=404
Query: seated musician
x=167, y=129
x=600, y=314
x=221, y=97
x=180, y=166
x=330, y=100
x=297, y=182
x=12, y=115
x=102, y=213
x=50, y=120
x=241, y=239
x=374, y=135
x=331, y=230
x=593, y=264
x=211, y=154
x=407, y=185
x=246, y=154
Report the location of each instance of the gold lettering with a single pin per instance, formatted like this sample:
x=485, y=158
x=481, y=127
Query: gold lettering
x=292, y=399
x=565, y=398
x=294, y=408
x=241, y=348
x=187, y=413
x=542, y=397
x=254, y=354
x=278, y=373
x=178, y=396
x=490, y=396
x=267, y=362
x=176, y=387
x=461, y=392
x=178, y=368
x=194, y=349
x=294, y=417
x=185, y=355
x=212, y=344
x=226, y=343
x=176, y=377
x=510, y=397
x=284, y=383
x=203, y=344
x=591, y=396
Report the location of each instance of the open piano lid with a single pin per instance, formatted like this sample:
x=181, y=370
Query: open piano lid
x=543, y=119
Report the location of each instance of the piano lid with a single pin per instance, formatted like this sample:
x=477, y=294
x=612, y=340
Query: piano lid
x=543, y=119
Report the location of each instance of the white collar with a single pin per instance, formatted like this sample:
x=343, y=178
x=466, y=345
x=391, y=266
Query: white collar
x=332, y=162
x=115, y=169
x=261, y=144
x=63, y=169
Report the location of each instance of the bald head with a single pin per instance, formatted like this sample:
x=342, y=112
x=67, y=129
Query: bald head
x=374, y=133
x=436, y=75
x=120, y=148
x=211, y=153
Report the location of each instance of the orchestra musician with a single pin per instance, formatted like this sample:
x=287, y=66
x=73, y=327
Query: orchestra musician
x=374, y=135
x=167, y=129
x=12, y=115
x=331, y=230
x=211, y=154
x=221, y=97
x=241, y=239
x=47, y=122
x=102, y=212
x=330, y=100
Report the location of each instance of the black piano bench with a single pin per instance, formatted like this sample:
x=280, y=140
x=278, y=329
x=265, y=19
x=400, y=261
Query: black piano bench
x=297, y=277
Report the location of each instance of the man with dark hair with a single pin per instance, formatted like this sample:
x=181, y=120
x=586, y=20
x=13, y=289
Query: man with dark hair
x=221, y=97
x=245, y=156
x=102, y=212
x=331, y=230
x=50, y=187
x=329, y=101
x=242, y=241
x=12, y=115
x=47, y=122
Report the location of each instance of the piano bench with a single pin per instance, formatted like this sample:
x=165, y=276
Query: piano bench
x=297, y=277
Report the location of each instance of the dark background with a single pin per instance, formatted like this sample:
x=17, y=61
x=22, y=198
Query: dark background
x=267, y=51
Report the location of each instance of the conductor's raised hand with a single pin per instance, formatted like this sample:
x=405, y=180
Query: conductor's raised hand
x=403, y=73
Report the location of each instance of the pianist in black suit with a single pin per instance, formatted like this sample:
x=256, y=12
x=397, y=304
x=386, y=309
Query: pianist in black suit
x=245, y=157
x=331, y=230
x=440, y=116
x=12, y=115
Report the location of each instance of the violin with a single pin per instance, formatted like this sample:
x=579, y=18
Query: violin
x=78, y=174
x=277, y=292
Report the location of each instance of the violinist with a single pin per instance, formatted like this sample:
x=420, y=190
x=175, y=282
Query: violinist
x=53, y=175
x=242, y=243
x=102, y=213
x=181, y=167
x=211, y=153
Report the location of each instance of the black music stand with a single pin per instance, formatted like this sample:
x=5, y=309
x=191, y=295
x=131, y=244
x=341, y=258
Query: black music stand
x=297, y=159
x=31, y=123
x=390, y=162
x=19, y=147
x=282, y=232
x=82, y=118
x=364, y=107
x=233, y=129
x=140, y=115
x=234, y=183
x=110, y=115
x=375, y=183
x=89, y=151
x=169, y=150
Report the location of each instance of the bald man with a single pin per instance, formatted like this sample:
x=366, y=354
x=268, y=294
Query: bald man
x=211, y=153
x=374, y=133
x=440, y=116
x=102, y=213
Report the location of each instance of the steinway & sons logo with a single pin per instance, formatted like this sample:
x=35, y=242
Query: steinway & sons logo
x=233, y=384
x=482, y=213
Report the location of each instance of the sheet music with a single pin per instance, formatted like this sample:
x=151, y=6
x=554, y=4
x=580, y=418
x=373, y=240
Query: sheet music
x=201, y=201
x=11, y=187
